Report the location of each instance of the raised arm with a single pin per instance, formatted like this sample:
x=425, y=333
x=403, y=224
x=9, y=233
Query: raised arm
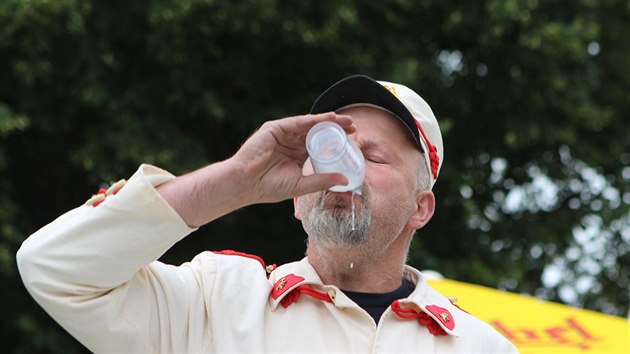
x=266, y=169
x=94, y=270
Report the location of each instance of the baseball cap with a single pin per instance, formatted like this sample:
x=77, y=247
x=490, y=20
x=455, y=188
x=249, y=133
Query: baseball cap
x=397, y=99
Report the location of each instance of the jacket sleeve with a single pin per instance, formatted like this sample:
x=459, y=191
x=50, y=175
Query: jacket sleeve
x=94, y=270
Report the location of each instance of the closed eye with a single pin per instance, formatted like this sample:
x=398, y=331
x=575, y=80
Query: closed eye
x=376, y=152
x=375, y=159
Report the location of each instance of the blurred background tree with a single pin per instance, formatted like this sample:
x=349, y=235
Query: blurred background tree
x=533, y=97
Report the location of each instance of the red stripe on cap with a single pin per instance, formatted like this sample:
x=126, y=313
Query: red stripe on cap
x=433, y=155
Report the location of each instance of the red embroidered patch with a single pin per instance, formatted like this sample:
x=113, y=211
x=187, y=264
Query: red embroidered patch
x=442, y=315
x=284, y=284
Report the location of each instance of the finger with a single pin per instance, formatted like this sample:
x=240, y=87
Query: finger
x=346, y=122
x=319, y=182
x=306, y=122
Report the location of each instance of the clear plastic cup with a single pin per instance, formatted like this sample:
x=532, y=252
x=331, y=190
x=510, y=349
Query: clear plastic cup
x=331, y=151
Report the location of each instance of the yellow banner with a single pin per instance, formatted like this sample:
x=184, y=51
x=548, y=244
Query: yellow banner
x=537, y=326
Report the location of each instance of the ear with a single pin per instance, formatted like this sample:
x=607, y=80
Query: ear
x=296, y=209
x=425, y=207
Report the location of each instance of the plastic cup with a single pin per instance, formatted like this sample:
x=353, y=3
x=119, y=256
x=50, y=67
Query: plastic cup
x=332, y=151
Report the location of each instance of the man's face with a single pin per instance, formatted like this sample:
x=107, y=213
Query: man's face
x=388, y=195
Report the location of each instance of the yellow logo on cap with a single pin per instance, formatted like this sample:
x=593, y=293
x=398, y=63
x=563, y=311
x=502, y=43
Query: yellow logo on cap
x=392, y=89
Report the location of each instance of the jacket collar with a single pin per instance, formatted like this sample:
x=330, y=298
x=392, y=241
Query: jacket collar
x=424, y=298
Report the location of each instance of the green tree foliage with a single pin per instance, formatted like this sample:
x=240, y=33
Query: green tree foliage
x=532, y=96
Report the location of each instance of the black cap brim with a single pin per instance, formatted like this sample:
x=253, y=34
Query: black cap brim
x=359, y=89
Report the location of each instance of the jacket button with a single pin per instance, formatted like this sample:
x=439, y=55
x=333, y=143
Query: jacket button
x=114, y=188
x=96, y=198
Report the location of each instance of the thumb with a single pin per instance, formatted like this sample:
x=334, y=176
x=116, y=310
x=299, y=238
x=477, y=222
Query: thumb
x=319, y=182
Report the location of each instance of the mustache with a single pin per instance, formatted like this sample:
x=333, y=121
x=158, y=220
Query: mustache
x=340, y=201
x=332, y=223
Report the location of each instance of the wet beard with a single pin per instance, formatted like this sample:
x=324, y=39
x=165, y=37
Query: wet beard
x=332, y=227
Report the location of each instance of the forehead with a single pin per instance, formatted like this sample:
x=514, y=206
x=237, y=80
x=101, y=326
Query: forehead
x=376, y=124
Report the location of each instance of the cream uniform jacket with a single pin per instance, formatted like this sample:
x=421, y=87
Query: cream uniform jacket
x=94, y=270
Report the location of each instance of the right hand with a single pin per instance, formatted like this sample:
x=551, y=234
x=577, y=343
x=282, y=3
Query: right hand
x=266, y=169
x=271, y=159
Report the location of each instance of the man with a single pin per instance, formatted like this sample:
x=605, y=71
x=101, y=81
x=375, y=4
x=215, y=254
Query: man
x=95, y=271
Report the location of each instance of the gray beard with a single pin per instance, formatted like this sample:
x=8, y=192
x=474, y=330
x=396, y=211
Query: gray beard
x=334, y=228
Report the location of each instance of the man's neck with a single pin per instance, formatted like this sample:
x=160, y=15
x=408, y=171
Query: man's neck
x=350, y=270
